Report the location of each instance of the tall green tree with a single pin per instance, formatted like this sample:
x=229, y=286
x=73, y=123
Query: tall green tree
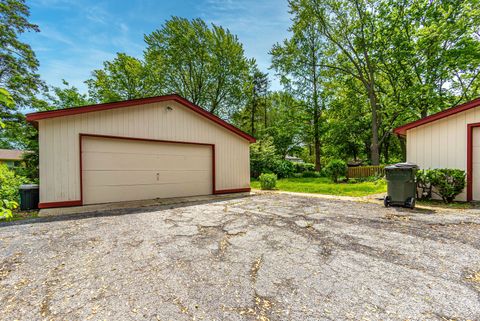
x=298, y=62
x=205, y=65
x=18, y=70
x=350, y=30
x=124, y=78
x=65, y=97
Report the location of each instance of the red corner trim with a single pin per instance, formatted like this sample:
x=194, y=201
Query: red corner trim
x=60, y=204
x=470, y=128
x=402, y=130
x=234, y=190
x=34, y=117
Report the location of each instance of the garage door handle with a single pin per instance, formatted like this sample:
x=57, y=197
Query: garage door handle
x=158, y=176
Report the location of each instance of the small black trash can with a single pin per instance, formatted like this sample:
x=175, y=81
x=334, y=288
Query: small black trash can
x=401, y=185
x=28, y=197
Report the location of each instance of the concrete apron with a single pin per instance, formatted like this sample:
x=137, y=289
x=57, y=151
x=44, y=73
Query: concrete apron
x=49, y=212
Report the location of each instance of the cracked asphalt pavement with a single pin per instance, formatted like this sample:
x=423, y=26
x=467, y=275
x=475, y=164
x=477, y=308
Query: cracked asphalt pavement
x=263, y=257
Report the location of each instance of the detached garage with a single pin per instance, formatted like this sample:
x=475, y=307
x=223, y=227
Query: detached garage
x=448, y=139
x=156, y=147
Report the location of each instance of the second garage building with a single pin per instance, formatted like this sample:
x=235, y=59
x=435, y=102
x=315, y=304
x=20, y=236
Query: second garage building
x=138, y=149
x=448, y=139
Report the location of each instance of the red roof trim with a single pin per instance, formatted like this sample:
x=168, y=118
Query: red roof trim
x=402, y=130
x=34, y=117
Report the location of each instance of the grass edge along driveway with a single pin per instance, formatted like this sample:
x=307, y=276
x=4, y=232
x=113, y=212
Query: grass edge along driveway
x=323, y=185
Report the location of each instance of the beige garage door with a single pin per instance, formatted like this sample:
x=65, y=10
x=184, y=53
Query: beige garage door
x=124, y=170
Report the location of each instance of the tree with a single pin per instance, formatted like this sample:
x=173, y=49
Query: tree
x=298, y=62
x=124, y=78
x=18, y=70
x=350, y=30
x=256, y=93
x=66, y=97
x=205, y=65
x=288, y=122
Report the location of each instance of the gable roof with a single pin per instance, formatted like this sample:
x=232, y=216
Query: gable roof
x=11, y=154
x=402, y=130
x=35, y=117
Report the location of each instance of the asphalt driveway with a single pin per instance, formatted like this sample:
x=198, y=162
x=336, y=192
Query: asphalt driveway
x=265, y=257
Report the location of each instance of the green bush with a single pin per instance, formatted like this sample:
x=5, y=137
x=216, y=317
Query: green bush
x=310, y=174
x=9, y=184
x=424, y=184
x=448, y=183
x=282, y=168
x=335, y=169
x=262, y=155
x=268, y=181
x=304, y=167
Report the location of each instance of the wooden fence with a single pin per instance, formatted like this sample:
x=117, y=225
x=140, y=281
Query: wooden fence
x=366, y=171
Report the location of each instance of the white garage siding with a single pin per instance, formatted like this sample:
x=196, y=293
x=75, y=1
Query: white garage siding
x=60, y=154
x=443, y=143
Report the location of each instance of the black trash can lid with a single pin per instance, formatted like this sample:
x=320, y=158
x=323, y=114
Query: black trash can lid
x=29, y=186
x=402, y=166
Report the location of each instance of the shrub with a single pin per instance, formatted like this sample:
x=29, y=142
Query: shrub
x=335, y=169
x=282, y=168
x=268, y=181
x=310, y=174
x=9, y=183
x=424, y=184
x=448, y=183
x=304, y=167
x=262, y=154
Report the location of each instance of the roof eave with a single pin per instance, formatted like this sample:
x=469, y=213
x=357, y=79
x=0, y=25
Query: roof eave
x=33, y=118
x=402, y=130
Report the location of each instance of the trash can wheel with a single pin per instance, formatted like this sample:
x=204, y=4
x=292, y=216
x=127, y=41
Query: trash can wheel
x=410, y=202
x=386, y=201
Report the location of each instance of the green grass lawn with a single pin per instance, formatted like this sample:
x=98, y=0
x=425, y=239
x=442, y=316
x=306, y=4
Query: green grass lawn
x=322, y=185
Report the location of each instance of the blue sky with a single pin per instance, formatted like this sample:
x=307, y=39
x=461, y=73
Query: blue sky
x=78, y=35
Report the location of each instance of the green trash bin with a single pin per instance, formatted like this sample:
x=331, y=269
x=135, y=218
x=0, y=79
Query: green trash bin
x=401, y=185
x=28, y=197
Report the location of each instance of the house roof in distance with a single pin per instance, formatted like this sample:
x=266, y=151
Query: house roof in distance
x=402, y=130
x=11, y=154
x=35, y=117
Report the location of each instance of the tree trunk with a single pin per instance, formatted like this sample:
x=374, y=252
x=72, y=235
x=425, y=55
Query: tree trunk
x=403, y=147
x=374, y=152
x=386, y=147
x=252, y=120
x=316, y=131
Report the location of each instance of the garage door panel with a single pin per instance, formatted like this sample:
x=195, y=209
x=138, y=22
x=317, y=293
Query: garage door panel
x=127, y=161
x=96, y=144
x=120, y=193
x=123, y=170
x=109, y=178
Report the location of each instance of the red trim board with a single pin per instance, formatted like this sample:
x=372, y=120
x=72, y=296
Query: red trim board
x=80, y=201
x=470, y=128
x=34, y=117
x=402, y=130
x=60, y=204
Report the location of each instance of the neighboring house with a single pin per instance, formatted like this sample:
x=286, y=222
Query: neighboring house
x=294, y=159
x=138, y=149
x=11, y=157
x=448, y=139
